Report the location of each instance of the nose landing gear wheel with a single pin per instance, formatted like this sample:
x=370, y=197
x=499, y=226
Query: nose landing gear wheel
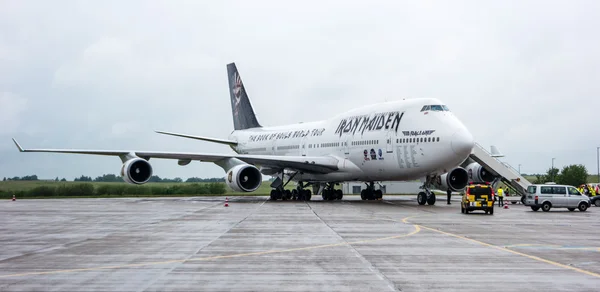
x=431, y=199
x=422, y=198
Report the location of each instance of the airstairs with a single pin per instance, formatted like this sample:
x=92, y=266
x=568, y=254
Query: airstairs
x=507, y=173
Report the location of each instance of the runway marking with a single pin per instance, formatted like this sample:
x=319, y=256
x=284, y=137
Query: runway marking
x=553, y=246
x=416, y=227
x=513, y=252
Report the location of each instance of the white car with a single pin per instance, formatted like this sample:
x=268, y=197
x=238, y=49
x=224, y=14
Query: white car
x=547, y=196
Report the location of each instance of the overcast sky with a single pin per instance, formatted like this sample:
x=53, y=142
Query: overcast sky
x=521, y=75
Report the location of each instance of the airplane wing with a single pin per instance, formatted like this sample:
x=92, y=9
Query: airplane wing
x=309, y=164
x=214, y=140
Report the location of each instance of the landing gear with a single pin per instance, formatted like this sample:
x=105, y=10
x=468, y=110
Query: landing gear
x=330, y=194
x=370, y=193
x=302, y=194
x=427, y=196
x=424, y=198
x=276, y=194
x=280, y=193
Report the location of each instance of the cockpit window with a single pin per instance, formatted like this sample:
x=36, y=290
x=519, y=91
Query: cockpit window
x=435, y=108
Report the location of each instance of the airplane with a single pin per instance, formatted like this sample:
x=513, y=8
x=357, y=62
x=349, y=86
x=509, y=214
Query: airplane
x=397, y=140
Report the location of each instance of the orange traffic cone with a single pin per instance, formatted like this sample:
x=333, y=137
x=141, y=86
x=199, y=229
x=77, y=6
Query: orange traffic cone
x=226, y=205
x=226, y=202
x=14, y=199
x=505, y=204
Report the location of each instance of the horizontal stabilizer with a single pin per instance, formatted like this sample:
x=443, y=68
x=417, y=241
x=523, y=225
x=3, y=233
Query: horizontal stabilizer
x=214, y=140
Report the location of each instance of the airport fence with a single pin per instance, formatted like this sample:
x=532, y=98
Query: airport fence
x=107, y=190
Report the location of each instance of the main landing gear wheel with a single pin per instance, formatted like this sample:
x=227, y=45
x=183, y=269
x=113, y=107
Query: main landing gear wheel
x=367, y=195
x=370, y=193
x=304, y=195
x=331, y=194
x=276, y=194
x=339, y=194
x=287, y=195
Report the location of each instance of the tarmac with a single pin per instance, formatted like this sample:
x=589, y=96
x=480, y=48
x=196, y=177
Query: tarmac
x=198, y=244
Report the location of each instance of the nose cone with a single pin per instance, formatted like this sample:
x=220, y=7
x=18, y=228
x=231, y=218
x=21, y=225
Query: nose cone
x=462, y=143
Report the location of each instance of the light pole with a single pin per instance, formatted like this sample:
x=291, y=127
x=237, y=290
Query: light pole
x=520, y=168
x=552, y=169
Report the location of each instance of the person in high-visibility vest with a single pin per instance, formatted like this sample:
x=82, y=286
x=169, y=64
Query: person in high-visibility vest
x=592, y=191
x=500, y=196
x=586, y=190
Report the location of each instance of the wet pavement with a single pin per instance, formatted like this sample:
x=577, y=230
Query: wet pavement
x=197, y=244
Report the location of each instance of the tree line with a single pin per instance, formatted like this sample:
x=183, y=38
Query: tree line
x=573, y=175
x=117, y=178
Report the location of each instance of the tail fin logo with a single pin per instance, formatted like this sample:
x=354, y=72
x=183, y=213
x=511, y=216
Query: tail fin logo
x=237, y=93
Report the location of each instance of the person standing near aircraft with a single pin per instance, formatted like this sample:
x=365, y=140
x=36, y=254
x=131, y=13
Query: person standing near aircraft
x=449, y=194
x=500, y=196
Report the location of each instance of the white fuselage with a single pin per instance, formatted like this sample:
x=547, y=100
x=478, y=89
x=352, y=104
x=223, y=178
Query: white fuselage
x=387, y=141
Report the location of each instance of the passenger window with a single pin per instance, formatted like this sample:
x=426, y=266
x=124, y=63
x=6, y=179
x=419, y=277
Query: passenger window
x=546, y=190
x=559, y=190
x=574, y=191
x=438, y=139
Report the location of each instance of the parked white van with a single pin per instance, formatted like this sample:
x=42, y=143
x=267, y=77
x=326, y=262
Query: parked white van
x=547, y=196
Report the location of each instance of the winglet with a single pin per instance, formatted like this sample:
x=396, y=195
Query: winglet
x=18, y=146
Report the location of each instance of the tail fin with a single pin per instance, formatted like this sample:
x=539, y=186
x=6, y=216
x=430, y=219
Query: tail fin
x=243, y=114
x=494, y=152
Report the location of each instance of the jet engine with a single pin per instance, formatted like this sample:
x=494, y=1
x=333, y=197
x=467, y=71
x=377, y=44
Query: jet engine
x=136, y=171
x=244, y=178
x=478, y=173
x=455, y=180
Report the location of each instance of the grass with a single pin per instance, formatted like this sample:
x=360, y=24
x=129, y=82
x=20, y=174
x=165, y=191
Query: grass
x=9, y=187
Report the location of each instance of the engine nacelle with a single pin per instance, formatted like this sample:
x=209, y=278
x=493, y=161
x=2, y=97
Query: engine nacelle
x=136, y=171
x=478, y=173
x=243, y=178
x=454, y=180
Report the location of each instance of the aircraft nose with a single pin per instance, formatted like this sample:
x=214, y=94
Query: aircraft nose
x=462, y=143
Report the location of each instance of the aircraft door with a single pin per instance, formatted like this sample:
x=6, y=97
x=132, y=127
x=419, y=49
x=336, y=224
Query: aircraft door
x=303, y=146
x=390, y=141
x=274, y=147
x=345, y=145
